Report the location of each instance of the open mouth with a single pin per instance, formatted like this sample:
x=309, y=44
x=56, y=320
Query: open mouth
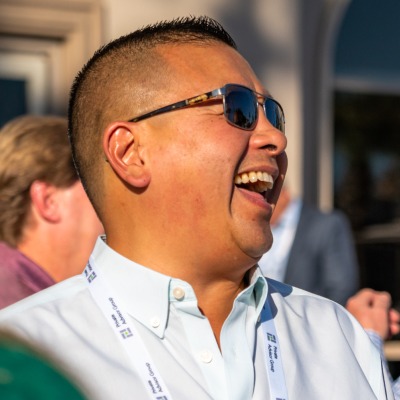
x=255, y=181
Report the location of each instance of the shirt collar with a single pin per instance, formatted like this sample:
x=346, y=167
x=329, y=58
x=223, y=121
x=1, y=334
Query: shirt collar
x=147, y=293
x=258, y=287
x=144, y=291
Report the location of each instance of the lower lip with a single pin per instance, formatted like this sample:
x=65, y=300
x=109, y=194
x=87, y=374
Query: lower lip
x=256, y=198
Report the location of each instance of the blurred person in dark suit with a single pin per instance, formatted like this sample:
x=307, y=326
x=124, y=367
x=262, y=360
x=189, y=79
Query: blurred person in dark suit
x=47, y=224
x=312, y=250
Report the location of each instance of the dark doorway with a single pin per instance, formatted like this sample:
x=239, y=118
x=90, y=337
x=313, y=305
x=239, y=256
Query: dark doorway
x=12, y=99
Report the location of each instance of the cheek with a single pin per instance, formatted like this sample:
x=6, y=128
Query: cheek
x=191, y=178
x=185, y=189
x=195, y=164
x=205, y=150
x=194, y=169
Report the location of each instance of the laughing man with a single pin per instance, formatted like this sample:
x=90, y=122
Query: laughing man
x=181, y=151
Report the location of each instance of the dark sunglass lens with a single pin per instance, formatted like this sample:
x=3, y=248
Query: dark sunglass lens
x=274, y=114
x=241, y=107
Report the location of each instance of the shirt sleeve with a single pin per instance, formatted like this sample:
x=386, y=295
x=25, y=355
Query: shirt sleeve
x=396, y=389
x=378, y=342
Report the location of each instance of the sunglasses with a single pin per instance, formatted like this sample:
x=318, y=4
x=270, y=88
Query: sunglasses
x=240, y=107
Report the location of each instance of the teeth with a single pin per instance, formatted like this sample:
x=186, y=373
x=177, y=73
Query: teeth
x=258, y=181
x=260, y=186
x=253, y=177
x=238, y=180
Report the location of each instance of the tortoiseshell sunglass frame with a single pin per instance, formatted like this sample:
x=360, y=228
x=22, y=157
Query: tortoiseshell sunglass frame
x=209, y=96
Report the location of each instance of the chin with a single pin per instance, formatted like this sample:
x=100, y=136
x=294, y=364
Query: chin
x=254, y=238
x=255, y=246
x=257, y=252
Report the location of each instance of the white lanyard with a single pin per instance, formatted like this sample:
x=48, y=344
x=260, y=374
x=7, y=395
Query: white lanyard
x=114, y=311
x=277, y=384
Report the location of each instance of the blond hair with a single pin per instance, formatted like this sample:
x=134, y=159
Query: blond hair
x=31, y=148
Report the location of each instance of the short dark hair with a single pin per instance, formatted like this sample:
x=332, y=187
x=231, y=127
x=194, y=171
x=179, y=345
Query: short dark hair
x=103, y=75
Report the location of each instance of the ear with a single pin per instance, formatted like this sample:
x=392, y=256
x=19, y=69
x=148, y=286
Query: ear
x=123, y=150
x=45, y=201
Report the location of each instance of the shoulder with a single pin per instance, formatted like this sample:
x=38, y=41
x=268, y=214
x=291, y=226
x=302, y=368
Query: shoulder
x=315, y=213
x=62, y=313
x=12, y=287
x=56, y=293
x=335, y=219
x=287, y=293
x=316, y=313
x=327, y=340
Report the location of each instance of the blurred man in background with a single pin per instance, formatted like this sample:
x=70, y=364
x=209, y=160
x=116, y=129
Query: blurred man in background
x=311, y=250
x=47, y=224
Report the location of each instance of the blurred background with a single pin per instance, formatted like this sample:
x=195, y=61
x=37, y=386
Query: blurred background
x=334, y=65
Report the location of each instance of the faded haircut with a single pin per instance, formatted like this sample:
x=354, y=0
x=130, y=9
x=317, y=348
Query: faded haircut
x=120, y=81
x=32, y=148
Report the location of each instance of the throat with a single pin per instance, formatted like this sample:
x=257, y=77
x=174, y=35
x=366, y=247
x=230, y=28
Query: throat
x=216, y=302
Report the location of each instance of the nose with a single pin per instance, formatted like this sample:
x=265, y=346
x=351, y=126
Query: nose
x=265, y=136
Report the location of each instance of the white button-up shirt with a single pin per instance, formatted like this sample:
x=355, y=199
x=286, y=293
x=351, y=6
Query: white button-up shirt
x=325, y=352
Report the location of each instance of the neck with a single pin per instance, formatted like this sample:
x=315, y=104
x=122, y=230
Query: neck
x=52, y=252
x=215, y=280
x=215, y=301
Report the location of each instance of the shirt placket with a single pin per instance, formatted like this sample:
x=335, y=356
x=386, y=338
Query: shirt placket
x=202, y=341
x=239, y=368
x=230, y=376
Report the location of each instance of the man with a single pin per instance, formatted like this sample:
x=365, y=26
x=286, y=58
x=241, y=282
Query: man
x=181, y=151
x=373, y=311
x=47, y=225
x=312, y=250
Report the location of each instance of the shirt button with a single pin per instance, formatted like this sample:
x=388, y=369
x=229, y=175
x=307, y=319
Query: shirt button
x=178, y=293
x=155, y=322
x=206, y=356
